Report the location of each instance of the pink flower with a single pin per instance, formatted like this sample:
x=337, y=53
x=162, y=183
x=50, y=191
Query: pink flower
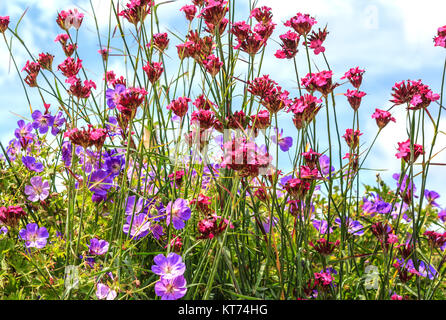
x=190, y=12
x=413, y=93
x=69, y=67
x=317, y=39
x=153, y=70
x=439, y=40
x=405, y=153
x=352, y=137
x=354, y=98
x=262, y=14
x=4, y=22
x=382, y=118
x=160, y=41
x=290, y=41
x=212, y=65
x=354, y=75
x=179, y=106
x=301, y=23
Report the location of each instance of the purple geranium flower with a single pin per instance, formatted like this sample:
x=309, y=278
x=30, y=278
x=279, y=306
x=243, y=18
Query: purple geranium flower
x=99, y=182
x=284, y=143
x=31, y=164
x=324, y=162
x=42, y=121
x=98, y=247
x=23, y=130
x=34, y=236
x=58, y=122
x=442, y=215
x=140, y=226
x=114, y=95
x=431, y=196
x=3, y=230
x=13, y=149
x=104, y=292
x=178, y=212
x=114, y=163
x=168, y=267
x=171, y=289
x=321, y=226
x=38, y=190
x=353, y=226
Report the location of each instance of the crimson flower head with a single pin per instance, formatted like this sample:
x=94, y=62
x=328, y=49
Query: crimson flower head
x=4, y=22
x=189, y=11
x=70, y=67
x=324, y=247
x=214, y=12
x=129, y=102
x=203, y=103
x=238, y=120
x=179, y=106
x=202, y=203
x=87, y=137
x=297, y=188
x=316, y=39
x=212, y=226
x=33, y=69
x=177, y=177
x=204, y=118
x=241, y=30
x=45, y=61
x=413, y=93
x=436, y=240
x=311, y=158
x=154, y=70
x=290, y=42
x=405, y=153
x=383, y=232
x=321, y=82
x=160, y=41
x=70, y=18
x=261, y=120
x=382, y=118
x=352, y=137
x=104, y=53
x=301, y=23
x=212, y=64
x=262, y=14
x=305, y=109
x=354, y=75
x=136, y=11
x=78, y=90
x=439, y=40
x=10, y=216
x=354, y=98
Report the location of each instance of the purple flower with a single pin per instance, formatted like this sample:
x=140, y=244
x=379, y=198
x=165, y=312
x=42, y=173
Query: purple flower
x=171, y=289
x=140, y=226
x=23, y=130
x=324, y=162
x=13, y=149
x=3, y=230
x=137, y=207
x=431, y=196
x=98, y=183
x=353, y=226
x=423, y=270
x=113, y=127
x=168, y=267
x=31, y=164
x=114, y=95
x=34, y=236
x=442, y=215
x=104, y=292
x=284, y=143
x=58, y=122
x=321, y=226
x=42, y=121
x=114, y=164
x=179, y=212
x=98, y=247
x=267, y=223
x=66, y=153
x=38, y=190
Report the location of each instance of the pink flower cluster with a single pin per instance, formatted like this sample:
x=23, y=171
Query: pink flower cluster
x=440, y=39
x=70, y=18
x=271, y=95
x=405, y=153
x=414, y=93
x=321, y=81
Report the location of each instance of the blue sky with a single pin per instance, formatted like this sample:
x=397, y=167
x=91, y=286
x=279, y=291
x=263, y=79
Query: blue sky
x=392, y=40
